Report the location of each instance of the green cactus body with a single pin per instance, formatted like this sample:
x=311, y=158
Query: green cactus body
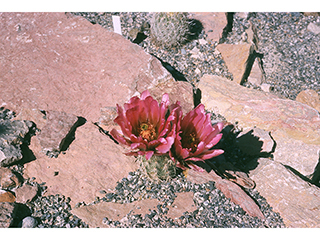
x=169, y=29
x=159, y=167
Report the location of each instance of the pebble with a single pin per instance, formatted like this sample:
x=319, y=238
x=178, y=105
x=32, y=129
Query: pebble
x=29, y=222
x=290, y=59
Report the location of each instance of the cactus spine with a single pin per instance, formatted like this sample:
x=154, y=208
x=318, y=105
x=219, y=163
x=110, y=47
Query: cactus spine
x=159, y=167
x=169, y=29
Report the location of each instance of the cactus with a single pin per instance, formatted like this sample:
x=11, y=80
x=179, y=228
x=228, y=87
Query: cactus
x=159, y=167
x=169, y=29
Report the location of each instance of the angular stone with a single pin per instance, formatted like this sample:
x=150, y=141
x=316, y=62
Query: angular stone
x=9, y=179
x=33, y=115
x=309, y=97
x=314, y=27
x=182, y=203
x=8, y=212
x=12, y=134
x=93, y=214
x=287, y=120
x=177, y=91
x=236, y=58
x=26, y=193
x=7, y=196
x=296, y=200
x=47, y=71
x=92, y=162
x=213, y=23
x=55, y=132
x=256, y=75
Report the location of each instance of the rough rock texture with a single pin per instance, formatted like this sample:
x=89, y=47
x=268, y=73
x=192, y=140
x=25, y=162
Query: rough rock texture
x=7, y=196
x=26, y=193
x=94, y=214
x=296, y=200
x=309, y=97
x=288, y=121
x=182, y=203
x=236, y=57
x=213, y=23
x=54, y=134
x=12, y=134
x=46, y=70
x=8, y=212
x=92, y=163
x=229, y=189
x=256, y=74
x=9, y=179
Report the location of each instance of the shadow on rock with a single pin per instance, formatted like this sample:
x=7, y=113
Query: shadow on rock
x=241, y=153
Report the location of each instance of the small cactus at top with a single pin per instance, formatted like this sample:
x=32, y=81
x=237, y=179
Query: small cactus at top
x=169, y=29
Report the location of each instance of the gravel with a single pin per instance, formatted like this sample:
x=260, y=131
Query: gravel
x=290, y=52
x=290, y=60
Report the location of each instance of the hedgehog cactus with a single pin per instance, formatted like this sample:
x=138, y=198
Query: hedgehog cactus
x=169, y=29
x=159, y=167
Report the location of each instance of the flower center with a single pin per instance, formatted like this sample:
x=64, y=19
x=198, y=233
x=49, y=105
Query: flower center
x=147, y=131
x=190, y=141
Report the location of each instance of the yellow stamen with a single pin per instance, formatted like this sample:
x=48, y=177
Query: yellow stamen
x=147, y=131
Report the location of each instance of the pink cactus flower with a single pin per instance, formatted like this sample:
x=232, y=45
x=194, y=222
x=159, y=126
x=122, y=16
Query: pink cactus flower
x=146, y=126
x=195, y=137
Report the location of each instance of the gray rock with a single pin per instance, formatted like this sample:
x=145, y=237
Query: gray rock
x=29, y=222
x=314, y=27
x=26, y=193
x=7, y=214
x=12, y=136
x=56, y=131
x=9, y=179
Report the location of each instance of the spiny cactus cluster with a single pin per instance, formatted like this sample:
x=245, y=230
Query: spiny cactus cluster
x=169, y=29
x=159, y=167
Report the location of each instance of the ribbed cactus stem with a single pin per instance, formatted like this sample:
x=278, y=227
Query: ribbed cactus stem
x=159, y=167
x=169, y=29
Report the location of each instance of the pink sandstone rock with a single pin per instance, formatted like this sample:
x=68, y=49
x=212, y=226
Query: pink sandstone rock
x=236, y=58
x=92, y=163
x=294, y=126
x=213, y=23
x=53, y=62
x=93, y=214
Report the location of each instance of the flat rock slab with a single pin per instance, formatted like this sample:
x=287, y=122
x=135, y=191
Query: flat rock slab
x=54, y=134
x=182, y=203
x=56, y=62
x=93, y=215
x=52, y=61
x=236, y=57
x=289, y=122
x=92, y=163
x=297, y=201
x=212, y=22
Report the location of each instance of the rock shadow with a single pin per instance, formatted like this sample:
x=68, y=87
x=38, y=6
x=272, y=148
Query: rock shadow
x=195, y=29
x=71, y=135
x=241, y=154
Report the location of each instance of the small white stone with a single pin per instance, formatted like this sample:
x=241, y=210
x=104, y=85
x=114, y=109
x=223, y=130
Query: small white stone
x=29, y=222
x=202, y=41
x=314, y=27
x=265, y=87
